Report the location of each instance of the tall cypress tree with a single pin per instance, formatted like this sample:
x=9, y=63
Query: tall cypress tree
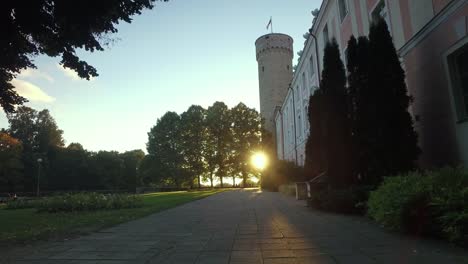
x=359, y=104
x=391, y=136
x=331, y=112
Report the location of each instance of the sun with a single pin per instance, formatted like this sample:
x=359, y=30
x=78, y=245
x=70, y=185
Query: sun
x=259, y=160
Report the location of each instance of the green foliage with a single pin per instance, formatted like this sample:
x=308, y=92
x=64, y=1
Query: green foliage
x=246, y=139
x=22, y=204
x=88, y=202
x=26, y=224
x=330, y=136
x=389, y=140
x=219, y=138
x=348, y=200
x=433, y=202
x=193, y=140
x=398, y=199
x=50, y=28
x=11, y=166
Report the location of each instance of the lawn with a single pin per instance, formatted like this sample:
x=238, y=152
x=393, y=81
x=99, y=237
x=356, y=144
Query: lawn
x=25, y=225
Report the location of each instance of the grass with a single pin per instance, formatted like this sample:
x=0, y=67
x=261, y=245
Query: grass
x=26, y=225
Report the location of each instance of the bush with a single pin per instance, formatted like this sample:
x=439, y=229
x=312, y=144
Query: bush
x=22, y=204
x=434, y=203
x=78, y=202
x=88, y=202
x=349, y=201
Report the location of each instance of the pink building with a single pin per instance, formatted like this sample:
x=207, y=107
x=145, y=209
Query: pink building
x=431, y=37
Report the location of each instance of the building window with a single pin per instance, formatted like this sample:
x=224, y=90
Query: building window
x=343, y=9
x=325, y=36
x=287, y=67
x=311, y=66
x=263, y=69
x=381, y=11
x=459, y=71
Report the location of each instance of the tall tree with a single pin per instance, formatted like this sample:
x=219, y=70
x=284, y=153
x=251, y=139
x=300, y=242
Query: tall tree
x=391, y=135
x=107, y=167
x=69, y=169
x=131, y=162
x=334, y=118
x=219, y=137
x=56, y=28
x=39, y=134
x=316, y=151
x=359, y=103
x=193, y=139
x=246, y=131
x=11, y=166
x=164, y=144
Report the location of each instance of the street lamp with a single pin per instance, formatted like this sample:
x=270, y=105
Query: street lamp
x=39, y=161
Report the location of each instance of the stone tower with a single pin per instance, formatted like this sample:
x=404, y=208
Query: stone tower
x=274, y=57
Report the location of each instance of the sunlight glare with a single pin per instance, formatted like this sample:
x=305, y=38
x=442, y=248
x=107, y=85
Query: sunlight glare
x=259, y=160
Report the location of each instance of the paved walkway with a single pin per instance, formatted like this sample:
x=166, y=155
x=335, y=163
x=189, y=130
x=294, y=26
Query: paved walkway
x=242, y=227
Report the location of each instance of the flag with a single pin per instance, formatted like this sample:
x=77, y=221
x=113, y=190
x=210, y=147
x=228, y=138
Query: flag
x=269, y=24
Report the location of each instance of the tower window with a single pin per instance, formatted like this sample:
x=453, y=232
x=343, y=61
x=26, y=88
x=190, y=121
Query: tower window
x=287, y=67
x=263, y=68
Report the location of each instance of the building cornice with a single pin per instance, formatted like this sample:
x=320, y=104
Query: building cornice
x=422, y=34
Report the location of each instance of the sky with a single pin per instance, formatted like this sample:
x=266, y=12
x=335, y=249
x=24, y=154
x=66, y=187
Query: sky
x=180, y=53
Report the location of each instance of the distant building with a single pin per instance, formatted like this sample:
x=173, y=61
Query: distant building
x=274, y=57
x=432, y=40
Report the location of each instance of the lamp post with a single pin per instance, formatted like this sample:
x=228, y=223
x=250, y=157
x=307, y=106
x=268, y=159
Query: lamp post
x=39, y=161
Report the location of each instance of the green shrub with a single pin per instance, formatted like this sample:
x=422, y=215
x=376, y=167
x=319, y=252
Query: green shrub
x=399, y=198
x=22, y=204
x=348, y=200
x=88, y=202
x=433, y=202
x=450, y=203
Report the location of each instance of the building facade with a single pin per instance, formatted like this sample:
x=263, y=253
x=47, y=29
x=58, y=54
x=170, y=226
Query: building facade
x=431, y=37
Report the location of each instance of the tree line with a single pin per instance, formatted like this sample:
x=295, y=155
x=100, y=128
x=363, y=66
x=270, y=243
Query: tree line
x=183, y=150
x=202, y=144
x=34, y=136
x=361, y=129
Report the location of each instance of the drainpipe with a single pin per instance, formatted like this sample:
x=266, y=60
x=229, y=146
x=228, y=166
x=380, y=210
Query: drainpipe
x=316, y=54
x=294, y=117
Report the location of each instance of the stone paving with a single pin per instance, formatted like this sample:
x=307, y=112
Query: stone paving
x=241, y=227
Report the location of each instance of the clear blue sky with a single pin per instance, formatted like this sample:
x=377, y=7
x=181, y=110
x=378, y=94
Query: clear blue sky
x=178, y=54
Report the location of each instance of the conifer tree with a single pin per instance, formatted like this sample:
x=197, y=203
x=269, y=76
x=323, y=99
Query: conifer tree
x=391, y=135
x=333, y=121
x=359, y=102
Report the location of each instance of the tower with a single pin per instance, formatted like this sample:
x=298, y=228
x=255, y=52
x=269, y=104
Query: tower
x=274, y=57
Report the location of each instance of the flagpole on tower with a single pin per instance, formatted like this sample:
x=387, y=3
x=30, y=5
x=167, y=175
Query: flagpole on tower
x=270, y=24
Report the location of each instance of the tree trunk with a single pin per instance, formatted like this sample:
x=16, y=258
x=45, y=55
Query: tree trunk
x=244, y=179
x=233, y=181
x=199, y=182
x=221, y=178
x=211, y=179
